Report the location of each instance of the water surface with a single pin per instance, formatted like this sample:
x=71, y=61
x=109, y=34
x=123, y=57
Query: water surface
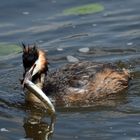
x=112, y=35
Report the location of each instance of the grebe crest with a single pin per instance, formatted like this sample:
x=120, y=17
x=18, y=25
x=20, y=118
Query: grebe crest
x=30, y=55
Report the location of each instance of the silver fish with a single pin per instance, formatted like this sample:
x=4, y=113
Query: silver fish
x=40, y=94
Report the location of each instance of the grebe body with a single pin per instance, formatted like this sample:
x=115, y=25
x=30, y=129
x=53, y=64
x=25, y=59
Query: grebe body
x=83, y=83
x=79, y=83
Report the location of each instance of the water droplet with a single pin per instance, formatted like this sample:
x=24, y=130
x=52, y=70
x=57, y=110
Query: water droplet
x=72, y=58
x=25, y=13
x=130, y=43
x=4, y=130
x=60, y=49
x=84, y=50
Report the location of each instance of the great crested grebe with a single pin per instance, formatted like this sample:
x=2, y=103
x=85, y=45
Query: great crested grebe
x=79, y=83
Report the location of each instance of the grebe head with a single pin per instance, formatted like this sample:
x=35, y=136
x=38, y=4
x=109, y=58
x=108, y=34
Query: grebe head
x=36, y=66
x=35, y=69
x=30, y=55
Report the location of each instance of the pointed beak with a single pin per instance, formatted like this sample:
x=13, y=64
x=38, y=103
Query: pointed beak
x=28, y=75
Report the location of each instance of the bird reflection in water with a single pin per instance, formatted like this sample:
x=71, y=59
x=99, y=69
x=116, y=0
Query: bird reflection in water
x=37, y=127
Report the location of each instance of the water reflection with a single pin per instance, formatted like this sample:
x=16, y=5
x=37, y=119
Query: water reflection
x=36, y=127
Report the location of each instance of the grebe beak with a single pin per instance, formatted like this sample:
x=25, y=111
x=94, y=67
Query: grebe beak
x=35, y=68
x=32, y=71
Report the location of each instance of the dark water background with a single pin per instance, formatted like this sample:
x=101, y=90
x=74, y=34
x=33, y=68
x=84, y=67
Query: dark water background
x=112, y=36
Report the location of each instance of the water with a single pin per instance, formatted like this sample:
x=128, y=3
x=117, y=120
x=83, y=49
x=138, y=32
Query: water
x=111, y=36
